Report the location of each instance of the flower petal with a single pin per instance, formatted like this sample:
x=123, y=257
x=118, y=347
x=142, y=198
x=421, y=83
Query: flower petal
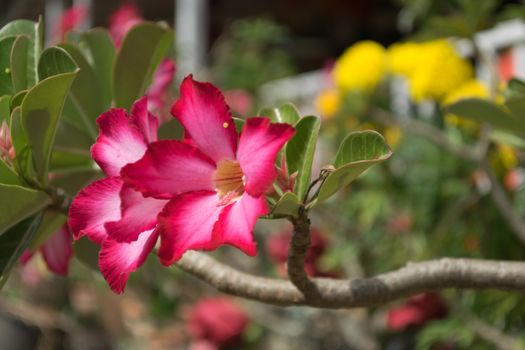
x=170, y=168
x=237, y=221
x=93, y=206
x=138, y=214
x=206, y=119
x=58, y=250
x=117, y=260
x=188, y=222
x=259, y=144
x=119, y=142
x=146, y=122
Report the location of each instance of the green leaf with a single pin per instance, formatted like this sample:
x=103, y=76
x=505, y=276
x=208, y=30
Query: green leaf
x=6, y=84
x=516, y=105
x=239, y=124
x=485, y=112
x=34, y=32
x=7, y=175
x=99, y=50
x=4, y=108
x=14, y=242
x=84, y=103
x=17, y=99
x=358, y=152
x=53, y=61
x=288, y=205
x=40, y=113
x=52, y=221
x=19, y=62
x=287, y=113
x=19, y=203
x=24, y=156
x=140, y=53
x=300, y=152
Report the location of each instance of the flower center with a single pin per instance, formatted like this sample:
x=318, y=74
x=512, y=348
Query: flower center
x=228, y=179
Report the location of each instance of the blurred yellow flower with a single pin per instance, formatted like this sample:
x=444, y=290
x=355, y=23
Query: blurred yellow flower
x=361, y=67
x=433, y=68
x=328, y=103
x=393, y=136
x=508, y=156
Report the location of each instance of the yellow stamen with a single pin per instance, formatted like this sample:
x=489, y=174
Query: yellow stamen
x=225, y=125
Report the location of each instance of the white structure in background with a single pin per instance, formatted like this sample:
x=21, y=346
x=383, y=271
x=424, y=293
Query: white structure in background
x=53, y=11
x=191, y=31
x=88, y=22
x=510, y=35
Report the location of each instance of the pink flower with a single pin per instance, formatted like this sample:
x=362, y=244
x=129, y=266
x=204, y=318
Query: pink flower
x=123, y=19
x=416, y=311
x=278, y=244
x=56, y=251
x=70, y=19
x=159, y=89
x=111, y=213
x=240, y=101
x=214, y=180
x=7, y=151
x=216, y=322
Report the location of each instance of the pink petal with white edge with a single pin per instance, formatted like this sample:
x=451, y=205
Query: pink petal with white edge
x=259, y=144
x=188, y=222
x=237, y=221
x=58, y=250
x=206, y=119
x=117, y=260
x=119, y=142
x=138, y=214
x=93, y=206
x=170, y=168
x=146, y=122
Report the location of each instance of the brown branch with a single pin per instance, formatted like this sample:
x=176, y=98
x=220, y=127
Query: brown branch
x=360, y=292
x=299, y=245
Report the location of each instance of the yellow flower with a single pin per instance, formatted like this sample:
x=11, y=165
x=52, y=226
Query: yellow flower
x=508, y=156
x=328, y=103
x=469, y=89
x=432, y=68
x=393, y=136
x=361, y=67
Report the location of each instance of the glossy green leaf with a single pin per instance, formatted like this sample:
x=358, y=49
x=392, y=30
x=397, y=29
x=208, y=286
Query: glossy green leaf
x=52, y=221
x=8, y=175
x=55, y=60
x=358, y=152
x=141, y=51
x=84, y=103
x=17, y=99
x=300, y=152
x=19, y=203
x=100, y=52
x=14, y=242
x=24, y=156
x=288, y=205
x=68, y=160
x=4, y=108
x=34, y=32
x=40, y=113
x=485, y=112
x=287, y=113
x=19, y=62
x=73, y=181
x=516, y=106
x=6, y=85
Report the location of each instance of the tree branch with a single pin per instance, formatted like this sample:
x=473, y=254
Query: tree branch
x=360, y=292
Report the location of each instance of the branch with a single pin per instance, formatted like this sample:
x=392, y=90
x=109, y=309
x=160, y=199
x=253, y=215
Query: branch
x=360, y=292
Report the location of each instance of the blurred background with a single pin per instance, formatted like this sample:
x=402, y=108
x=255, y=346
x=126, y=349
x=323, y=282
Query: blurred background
x=392, y=66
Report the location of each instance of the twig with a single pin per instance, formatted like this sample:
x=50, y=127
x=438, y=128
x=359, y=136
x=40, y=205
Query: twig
x=360, y=292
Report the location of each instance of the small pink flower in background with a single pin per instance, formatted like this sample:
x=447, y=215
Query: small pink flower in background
x=416, y=312
x=514, y=179
x=239, y=100
x=214, y=180
x=56, y=251
x=111, y=213
x=158, y=92
x=7, y=151
x=277, y=248
x=123, y=19
x=70, y=19
x=215, y=323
